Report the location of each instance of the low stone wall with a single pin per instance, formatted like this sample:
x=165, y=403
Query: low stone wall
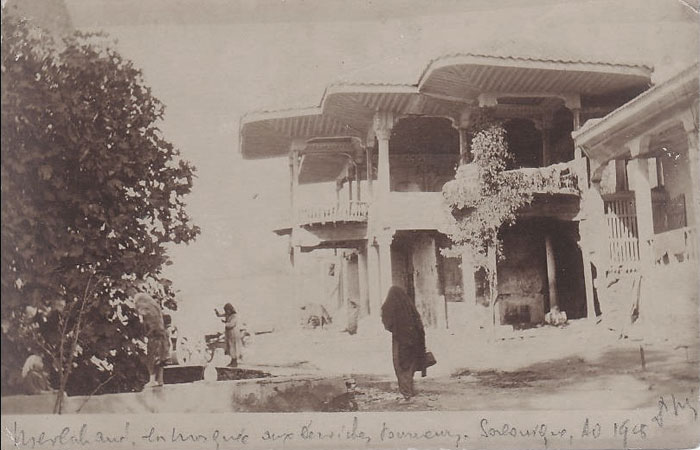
x=281, y=394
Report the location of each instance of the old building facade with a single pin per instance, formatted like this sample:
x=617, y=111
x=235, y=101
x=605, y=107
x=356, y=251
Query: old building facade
x=388, y=150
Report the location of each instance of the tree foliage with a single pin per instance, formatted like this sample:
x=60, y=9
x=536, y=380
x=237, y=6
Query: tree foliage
x=484, y=198
x=92, y=194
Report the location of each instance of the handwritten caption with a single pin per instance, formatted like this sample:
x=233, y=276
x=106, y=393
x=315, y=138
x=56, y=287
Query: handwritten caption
x=627, y=432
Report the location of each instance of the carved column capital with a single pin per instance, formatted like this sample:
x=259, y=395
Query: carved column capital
x=384, y=236
x=464, y=119
x=487, y=99
x=572, y=101
x=383, y=123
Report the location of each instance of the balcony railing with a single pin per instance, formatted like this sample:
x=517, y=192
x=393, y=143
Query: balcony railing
x=555, y=179
x=353, y=211
x=562, y=178
x=623, y=243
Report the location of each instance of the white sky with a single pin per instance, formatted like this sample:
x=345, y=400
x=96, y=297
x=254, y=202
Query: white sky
x=210, y=62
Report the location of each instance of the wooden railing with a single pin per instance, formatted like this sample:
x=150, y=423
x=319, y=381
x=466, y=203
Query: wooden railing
x=554, y=179
x=675, y=245
x=352, y=211
x=623, y=241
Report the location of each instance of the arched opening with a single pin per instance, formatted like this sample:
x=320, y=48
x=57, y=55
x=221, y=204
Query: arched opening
x=423, y=152
x=524, y=142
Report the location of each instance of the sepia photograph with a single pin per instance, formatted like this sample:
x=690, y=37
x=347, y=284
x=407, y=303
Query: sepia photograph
x=350, y=224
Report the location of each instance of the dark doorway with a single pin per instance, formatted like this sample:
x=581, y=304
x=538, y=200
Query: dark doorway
x=571, y=288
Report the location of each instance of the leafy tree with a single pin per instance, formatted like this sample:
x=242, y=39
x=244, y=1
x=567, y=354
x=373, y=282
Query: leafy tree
x=91, y=196
x=484, y=198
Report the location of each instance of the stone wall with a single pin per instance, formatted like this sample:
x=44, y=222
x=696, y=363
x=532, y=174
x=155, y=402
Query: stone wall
x=282, y=394
x=425, y=279
x=414, y=268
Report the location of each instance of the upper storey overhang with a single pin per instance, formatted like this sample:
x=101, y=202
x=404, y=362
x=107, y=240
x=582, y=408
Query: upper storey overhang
x=607, y=138
x=446, y=87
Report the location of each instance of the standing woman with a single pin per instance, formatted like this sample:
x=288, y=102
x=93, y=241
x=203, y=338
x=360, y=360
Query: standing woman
x=401, y=318
x=232, y=334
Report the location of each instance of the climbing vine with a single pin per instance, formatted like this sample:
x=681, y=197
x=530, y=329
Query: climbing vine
x=484, y=198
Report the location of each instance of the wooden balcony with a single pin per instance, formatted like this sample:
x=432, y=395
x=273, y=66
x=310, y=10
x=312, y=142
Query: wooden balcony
x=352, y=212
x=559, y=178
x=556, y=179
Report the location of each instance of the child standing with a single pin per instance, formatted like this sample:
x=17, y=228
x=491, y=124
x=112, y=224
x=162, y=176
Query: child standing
x=231, y=333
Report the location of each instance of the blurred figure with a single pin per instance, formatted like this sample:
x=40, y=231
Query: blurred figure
x=232, y=334
x=314, y=315
x=34, y=377
x=401, y=318
x=353, y=316
x=157, y=342
x=171, y=332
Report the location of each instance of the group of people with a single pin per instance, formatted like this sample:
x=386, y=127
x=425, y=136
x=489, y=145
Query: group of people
x=158, y=339
x=399, y=316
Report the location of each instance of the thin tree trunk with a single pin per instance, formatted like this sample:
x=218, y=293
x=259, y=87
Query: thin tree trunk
x=66, y=368
x=493, y=280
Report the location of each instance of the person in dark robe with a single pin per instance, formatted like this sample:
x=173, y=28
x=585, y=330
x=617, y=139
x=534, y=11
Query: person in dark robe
x=232, y=334
x=401, y=318
x=157, y=345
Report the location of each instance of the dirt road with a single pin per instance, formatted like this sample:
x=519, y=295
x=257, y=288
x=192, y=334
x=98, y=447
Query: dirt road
x=614, y=380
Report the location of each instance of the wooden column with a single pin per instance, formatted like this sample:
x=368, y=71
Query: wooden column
x=364, y=281
x=338, y=188
x=544, y=125
x=590, y=288
x=546, y=157
x=643, y=209
x=373, y=284
x=292, y=205
x=295, y=186
x=464, y=143
x=690, y=125
x=370, y=172
x=593, y=244
x=358, y=180
x=383, y=123
x=385, y=271
x=345, y=283
x=572, y=102
x=551, y=273
x=296, y=148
